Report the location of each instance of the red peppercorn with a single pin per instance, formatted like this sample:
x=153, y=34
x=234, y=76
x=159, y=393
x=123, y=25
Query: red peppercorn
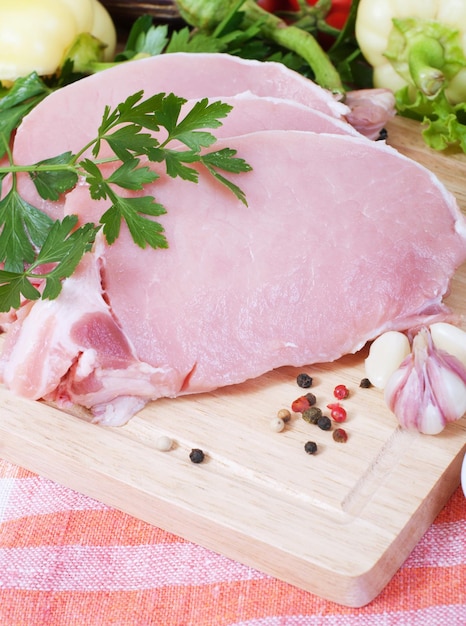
x=340, y=435
x=337, y=412
x=300, y=404
x=341, y=392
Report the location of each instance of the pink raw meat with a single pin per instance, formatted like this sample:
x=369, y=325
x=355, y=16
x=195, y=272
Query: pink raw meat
x=341, y=240
x=251, y=113
x=47, y=131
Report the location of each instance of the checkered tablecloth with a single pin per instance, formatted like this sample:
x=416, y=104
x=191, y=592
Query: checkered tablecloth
x=66, y=560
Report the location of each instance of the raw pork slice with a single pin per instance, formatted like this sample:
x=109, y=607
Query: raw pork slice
x=250, y=113
x=341, y=240
x=47, y=131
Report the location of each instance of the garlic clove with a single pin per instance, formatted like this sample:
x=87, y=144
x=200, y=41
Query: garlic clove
x=449, y=338
x=432, y=422
x=386, y=354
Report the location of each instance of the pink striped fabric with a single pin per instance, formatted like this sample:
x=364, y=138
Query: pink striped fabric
x=66, y=559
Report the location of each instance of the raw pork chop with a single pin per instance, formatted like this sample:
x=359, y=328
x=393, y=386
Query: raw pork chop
x=342, y=239
x=249, y=113
x=186, y=75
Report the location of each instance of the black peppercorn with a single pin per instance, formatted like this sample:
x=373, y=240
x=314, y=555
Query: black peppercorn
x=365, y=383
x=312, y=399
x=324, y=423
x=196, y=455
x=304, y=380
x=383, y=134
x=310, y=447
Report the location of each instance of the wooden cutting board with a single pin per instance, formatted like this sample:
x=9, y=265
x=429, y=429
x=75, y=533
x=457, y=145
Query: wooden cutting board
x=338, y=524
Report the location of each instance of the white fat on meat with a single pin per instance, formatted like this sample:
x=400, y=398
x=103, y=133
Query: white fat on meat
x=342, y=239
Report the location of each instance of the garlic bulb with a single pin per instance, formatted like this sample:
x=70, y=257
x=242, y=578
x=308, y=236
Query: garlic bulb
x=428, y=390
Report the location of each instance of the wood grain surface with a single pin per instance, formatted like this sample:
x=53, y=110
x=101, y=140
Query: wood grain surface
x=338, y=524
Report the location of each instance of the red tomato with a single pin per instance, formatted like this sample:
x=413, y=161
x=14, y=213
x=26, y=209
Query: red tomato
x=274, y=6
x=338, y=14
x=336, y=17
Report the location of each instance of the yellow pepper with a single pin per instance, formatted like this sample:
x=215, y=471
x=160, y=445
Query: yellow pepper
x=415, y=42
x=35, y=34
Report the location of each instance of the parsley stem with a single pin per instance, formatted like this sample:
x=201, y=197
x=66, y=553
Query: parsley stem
x=13, y=169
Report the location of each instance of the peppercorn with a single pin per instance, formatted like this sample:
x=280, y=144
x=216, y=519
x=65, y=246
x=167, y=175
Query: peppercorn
x=310, y=447
x=383, y=134
x=324, y=423
x=311, y=414
x=340, y=435
x=300, y=404
x=277, y=424
x=284, y=415
x=341, y=392
x=365, y=383
x=304, y=380
x=164, y=443
x=196, y=455
x=311, y=397
x=337, y=412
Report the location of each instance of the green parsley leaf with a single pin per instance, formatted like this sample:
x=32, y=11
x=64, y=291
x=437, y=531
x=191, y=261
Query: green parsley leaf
x=225, y=159
x=130, y=176
x=144, y=39
x=24, y=95
x=133, y=110
x=175, y=164
x=51, y=181
x=23, y=228
x=186, y=40
x=169, y=112
x=231, y=186
x=98, y=188
x=129, y=140
x=202, y=115
x=29, y=238
x=143, y=231
x=63, y=248
x=13, y=285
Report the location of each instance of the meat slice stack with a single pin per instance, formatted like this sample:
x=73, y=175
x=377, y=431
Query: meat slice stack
x=343, y=238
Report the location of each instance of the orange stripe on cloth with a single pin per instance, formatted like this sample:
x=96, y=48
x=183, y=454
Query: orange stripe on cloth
x=89, y=527
x=67, y=560
x=265, y=601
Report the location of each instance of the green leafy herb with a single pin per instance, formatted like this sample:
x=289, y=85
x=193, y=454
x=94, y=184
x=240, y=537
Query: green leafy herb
x=61, y=252
x=16, y=102
x=444, y=123
x=29, y=239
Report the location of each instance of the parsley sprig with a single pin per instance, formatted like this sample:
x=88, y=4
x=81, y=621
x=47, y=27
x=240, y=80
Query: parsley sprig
x=35, y=249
